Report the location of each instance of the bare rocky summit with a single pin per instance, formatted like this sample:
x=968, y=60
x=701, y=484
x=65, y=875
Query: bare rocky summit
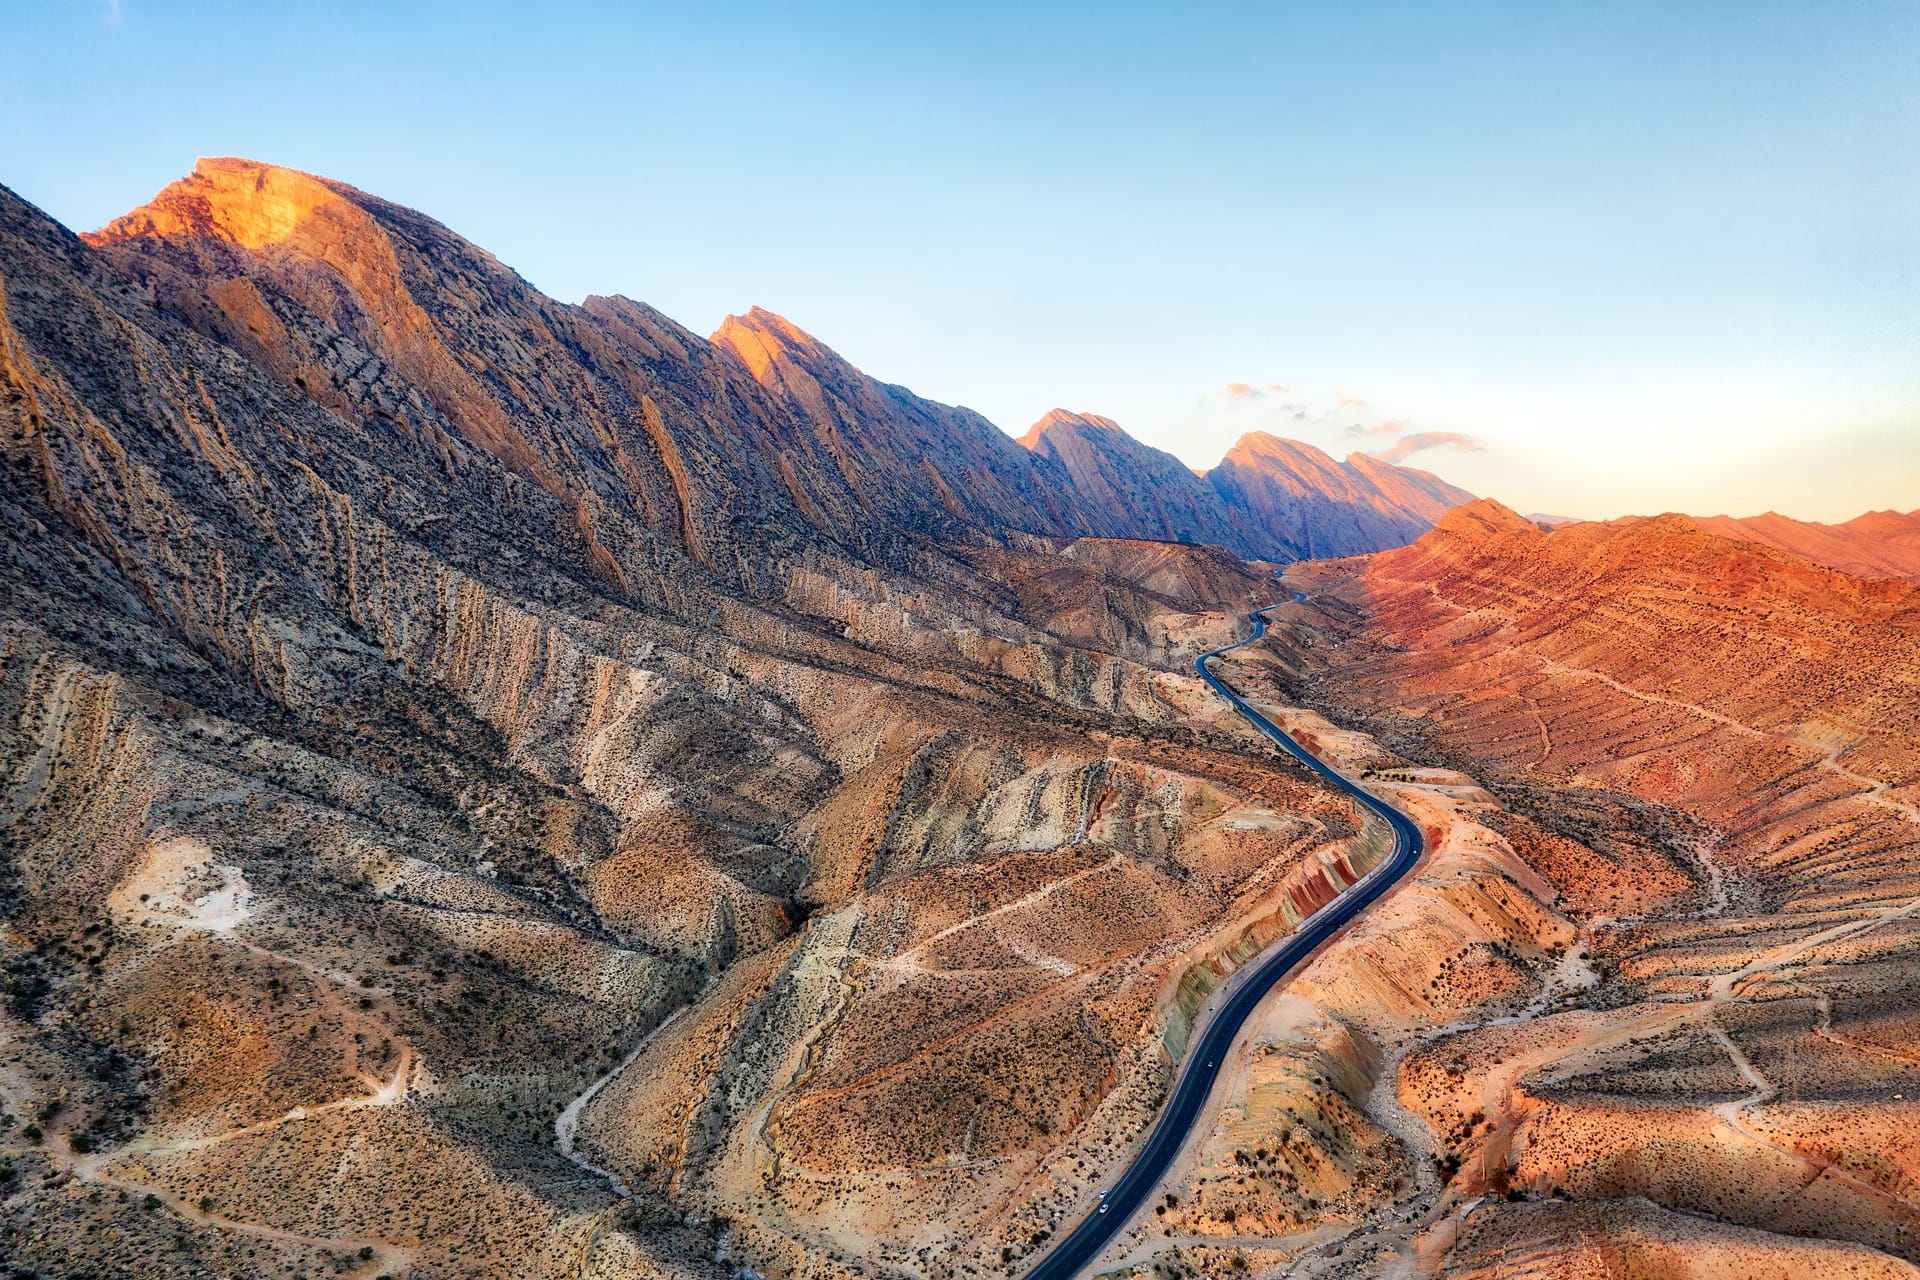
x=628, y=419
x=1268, y=499
x=1316, y=507
x=1136, y=490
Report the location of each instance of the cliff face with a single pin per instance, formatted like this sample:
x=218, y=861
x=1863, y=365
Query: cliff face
x=1131, y=490
x=1313, y=507
x=943, y=471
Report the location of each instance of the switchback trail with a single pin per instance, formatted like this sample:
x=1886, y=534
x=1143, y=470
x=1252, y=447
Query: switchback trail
x=1207, y=1055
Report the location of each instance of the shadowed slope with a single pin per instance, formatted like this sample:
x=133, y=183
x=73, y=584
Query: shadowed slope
x=1133, y=489
x=1314, y=507
x=942, y=470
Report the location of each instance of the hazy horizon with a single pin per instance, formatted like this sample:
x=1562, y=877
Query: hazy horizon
x=1590, y=264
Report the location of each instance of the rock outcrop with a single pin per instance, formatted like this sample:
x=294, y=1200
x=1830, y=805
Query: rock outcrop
x=1311, y=507
x=1133, y=490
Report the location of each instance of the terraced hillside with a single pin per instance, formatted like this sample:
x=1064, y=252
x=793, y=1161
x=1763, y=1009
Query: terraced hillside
x=1706, y=750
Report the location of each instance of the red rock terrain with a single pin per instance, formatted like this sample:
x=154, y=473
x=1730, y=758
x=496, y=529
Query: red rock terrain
x=1879, y=544
x=1709, y=749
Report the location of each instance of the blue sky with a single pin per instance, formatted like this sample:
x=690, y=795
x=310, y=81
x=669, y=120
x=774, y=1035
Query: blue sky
x=1645, y=257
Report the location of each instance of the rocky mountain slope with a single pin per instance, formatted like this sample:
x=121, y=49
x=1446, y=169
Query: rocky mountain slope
x=1269, y=499
x=922, y=465
x=492, y=787
x=376, y=311
x=1131, y=489
x=484, y=791
x=1315, y=507
x=1700, y=753
x=1879, y=544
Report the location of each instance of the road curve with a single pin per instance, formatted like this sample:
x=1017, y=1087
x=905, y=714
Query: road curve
x=1208, y=1054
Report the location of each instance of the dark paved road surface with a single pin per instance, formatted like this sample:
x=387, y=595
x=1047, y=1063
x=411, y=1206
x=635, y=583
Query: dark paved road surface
x=1207, y=1054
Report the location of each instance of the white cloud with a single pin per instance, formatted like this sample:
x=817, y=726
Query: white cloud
x=1385, y=427
x=1254, y=390
x=1407, y=446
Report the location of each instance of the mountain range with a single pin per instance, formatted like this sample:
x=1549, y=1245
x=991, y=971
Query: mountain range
x=631, y=423
x=1879, y=544
x=494, y=787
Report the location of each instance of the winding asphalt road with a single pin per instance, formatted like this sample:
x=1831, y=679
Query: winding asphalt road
x=1207, y=1055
